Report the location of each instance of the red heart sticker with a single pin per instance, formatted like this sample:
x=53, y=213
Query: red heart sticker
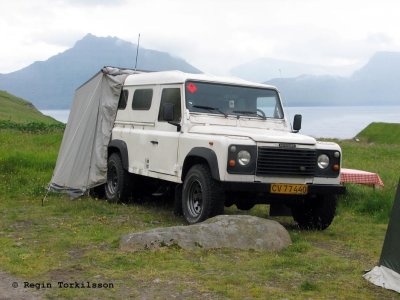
x=192, y=88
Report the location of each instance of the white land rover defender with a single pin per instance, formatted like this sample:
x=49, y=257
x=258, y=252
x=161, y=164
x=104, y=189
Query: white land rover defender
x=218, y=142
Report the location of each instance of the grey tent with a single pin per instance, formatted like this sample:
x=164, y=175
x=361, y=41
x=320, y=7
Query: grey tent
x=387, y=274
x=82, y=159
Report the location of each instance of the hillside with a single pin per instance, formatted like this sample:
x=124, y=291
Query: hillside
x=51, y=84
x=381, y=133
x=17, y=110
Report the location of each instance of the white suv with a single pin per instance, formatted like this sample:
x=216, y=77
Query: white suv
x=219, y=142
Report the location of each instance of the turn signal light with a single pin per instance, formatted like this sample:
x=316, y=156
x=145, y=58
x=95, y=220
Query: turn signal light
x=232, y=163
x=336, y=167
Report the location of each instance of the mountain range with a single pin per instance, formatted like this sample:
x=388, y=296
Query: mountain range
x=376, y=83
x=265, y=68
x=51, y=84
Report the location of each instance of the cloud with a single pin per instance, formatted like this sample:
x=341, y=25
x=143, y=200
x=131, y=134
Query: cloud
x=379, y=38
x=59, y=37
x=94, y=2
x=212, y=35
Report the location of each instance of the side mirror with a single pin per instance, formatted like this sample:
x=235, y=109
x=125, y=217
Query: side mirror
x=168, y=112
x=297, y=123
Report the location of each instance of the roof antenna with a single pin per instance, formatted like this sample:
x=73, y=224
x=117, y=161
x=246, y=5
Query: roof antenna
x=137, y=51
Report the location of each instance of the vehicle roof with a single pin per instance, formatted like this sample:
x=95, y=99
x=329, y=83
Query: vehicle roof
x=173, y=77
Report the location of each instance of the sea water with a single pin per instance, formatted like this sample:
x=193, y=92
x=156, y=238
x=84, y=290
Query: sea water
x=341, y=122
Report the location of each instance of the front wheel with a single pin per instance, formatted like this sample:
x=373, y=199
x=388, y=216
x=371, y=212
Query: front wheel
x=202, y=196
x=316, y=213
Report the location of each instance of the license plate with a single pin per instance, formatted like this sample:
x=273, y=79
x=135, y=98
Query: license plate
x=289, y=189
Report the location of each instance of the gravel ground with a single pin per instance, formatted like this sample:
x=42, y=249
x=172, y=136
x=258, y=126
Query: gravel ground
x=11, y=288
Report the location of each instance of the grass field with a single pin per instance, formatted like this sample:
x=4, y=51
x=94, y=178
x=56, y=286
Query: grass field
x=78, y=240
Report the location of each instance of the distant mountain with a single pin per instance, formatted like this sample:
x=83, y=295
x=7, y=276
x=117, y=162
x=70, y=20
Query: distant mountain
x=263, y=69
x=376, y=83
x=51, y=84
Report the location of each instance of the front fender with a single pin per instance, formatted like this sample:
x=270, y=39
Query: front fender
x=199, y=154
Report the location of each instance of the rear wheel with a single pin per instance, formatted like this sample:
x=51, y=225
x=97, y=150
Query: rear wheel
x=316, y=213
x=178, y=200
x=242, y=200
x=202, y=196
x=117, y=185
x=245, y=205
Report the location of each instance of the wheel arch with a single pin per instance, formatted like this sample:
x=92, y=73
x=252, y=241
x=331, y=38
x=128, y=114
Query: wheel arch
x=200, y=155
x=119, y=146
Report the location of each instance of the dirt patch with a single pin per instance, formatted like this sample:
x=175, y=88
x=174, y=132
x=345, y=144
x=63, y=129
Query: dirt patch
x=20, y=225
x=340, y=251
x=76, y=253
x=160, y=289
x=69, y=274
x=12, y=288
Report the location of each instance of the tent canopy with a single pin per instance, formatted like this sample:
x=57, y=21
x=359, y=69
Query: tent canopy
x=82, y=158
x=387, y=274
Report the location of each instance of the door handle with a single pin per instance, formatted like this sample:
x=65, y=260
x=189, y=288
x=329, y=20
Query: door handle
x=154, y=142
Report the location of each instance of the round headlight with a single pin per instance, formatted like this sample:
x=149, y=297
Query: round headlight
x=243, y=157
x=323, y=161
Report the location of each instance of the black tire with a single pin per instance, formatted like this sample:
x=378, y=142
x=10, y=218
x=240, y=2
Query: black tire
x=117, y=186
x=202, y=196
x=316, y=213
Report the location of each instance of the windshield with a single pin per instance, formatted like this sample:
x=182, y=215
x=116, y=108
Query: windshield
x=232, y=100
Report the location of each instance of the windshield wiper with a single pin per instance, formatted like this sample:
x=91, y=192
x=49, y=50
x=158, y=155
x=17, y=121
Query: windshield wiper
x=210, y=109
x=253, y=113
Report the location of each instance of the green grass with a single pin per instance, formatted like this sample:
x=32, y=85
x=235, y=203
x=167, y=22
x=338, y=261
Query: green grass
x=381, y=159
x=381, y=133
x=77, y=240
x=17, y=110
x=32, y=126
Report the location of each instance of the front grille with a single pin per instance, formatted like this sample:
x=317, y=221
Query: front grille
x=279, y=161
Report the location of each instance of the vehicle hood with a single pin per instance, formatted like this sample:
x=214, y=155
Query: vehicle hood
x=256, y=134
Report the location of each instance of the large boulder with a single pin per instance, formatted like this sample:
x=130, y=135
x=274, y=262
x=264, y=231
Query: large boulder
x=236, y=232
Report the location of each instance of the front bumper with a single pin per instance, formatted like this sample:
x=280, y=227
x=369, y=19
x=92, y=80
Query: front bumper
x=264, y=188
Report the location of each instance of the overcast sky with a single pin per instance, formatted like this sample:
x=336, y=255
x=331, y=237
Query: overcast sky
x=214, y=36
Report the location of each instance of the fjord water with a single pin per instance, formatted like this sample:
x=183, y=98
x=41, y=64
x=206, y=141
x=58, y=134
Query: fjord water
x=341, y=122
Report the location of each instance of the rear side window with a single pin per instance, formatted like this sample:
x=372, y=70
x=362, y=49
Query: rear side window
x=142, y=99
x=123, y=99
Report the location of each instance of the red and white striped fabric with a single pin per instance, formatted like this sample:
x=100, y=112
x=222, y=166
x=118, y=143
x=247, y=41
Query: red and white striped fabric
x=360, y=177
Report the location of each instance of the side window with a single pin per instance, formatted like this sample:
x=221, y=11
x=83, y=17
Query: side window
x=142, y=99
x=123, y=99
x=173, y=96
